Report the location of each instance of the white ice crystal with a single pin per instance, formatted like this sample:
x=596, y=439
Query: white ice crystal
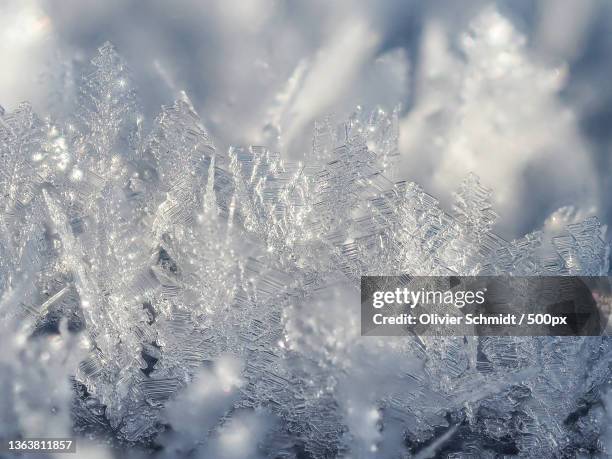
x=207, y=302
x=486, y=104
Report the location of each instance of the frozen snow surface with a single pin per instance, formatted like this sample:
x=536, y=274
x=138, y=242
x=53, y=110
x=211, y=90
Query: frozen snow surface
x=162, y=297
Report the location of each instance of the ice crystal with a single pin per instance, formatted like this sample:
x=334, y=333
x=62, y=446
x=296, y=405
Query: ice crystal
x=208, y=292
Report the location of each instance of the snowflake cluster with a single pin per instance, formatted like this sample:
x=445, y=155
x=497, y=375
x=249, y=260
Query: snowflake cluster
x=192, y=298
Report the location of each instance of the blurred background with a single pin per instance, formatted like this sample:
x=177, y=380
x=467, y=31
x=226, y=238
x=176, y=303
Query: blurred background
x=516, y=91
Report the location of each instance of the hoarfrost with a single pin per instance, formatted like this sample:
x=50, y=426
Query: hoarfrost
x=198, y=299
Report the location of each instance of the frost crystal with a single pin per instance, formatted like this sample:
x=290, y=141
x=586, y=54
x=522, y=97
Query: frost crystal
x=188, y=293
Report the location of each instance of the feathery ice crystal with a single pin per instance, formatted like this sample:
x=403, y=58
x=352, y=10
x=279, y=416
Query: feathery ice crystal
x=156, y=290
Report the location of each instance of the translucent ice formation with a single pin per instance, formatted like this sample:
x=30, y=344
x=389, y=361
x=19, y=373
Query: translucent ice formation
x=198, y=294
